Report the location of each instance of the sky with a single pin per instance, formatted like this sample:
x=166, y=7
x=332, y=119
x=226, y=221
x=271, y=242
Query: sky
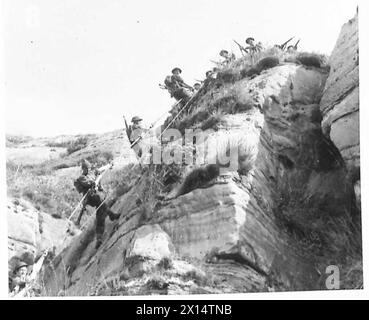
x=78, y=66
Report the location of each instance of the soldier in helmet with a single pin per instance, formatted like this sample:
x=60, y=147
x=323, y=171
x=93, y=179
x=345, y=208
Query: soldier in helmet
x=177, y=87
x=135, y=132
x=252, y=47
x=250, y=41
x=23, y=279
x=293, y=48
x=212, y=74
x=135, y=129
x=87, y=185
x=228, y=57
x=196, y=87
x=208, y=74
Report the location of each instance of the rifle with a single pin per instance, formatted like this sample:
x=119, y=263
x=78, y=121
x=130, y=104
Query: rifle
x=242, y=49
x=295, y=46
x=128, y=129
x=219, y=64
x=283, y=46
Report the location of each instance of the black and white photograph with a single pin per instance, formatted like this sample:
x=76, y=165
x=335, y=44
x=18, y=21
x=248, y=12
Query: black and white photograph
x=181, y=148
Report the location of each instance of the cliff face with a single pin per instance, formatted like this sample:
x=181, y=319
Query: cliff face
x=276, y=223
x=31, y=231
x=340, y=101
x=247, y=230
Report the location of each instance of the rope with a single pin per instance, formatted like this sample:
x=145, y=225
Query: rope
x=16, y=173
x=180, y=111
x=79, y=203
x=101, y=204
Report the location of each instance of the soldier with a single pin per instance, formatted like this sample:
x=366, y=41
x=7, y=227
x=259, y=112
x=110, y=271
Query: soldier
x=23, y=280
x=252, y=47
x=135, y=130
x=177, y=87
x=21, y=277
x=208, y=74
x=293, y=48
x=212, y=74
x=87, y=185
x=283, y=46
x=250, y=41
x=196, y=86
x=228, y=57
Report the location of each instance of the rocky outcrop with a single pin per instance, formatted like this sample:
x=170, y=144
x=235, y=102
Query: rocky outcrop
x=23, y=227
x=235, y=227
x=340, y=101
x=272, y=222
x=31, y=231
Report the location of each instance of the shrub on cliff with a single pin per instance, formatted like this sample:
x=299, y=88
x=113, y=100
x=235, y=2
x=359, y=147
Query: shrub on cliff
x=309, y=60
x=263, y=64
x=228, y=75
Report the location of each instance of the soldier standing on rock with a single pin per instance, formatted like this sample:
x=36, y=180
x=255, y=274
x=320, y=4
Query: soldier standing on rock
x=135, y=133
x=252, y=47
x=135, y=130
x=86, y=184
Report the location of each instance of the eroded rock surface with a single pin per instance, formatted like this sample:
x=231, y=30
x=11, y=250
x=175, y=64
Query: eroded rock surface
x=340, y=101
x=231, y=225
x=31, y=231
x=271, y=223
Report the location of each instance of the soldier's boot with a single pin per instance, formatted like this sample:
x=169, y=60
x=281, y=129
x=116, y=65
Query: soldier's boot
x=113, y=216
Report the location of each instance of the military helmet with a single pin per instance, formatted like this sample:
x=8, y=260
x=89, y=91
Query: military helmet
x=175, y=69
x=85, y=164
x=223, y=52
x=136, y=119
x=208, y=73
x=20, y=264
x=249, y=39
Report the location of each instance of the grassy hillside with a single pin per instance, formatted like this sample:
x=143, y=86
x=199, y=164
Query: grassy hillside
x=42, y=170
